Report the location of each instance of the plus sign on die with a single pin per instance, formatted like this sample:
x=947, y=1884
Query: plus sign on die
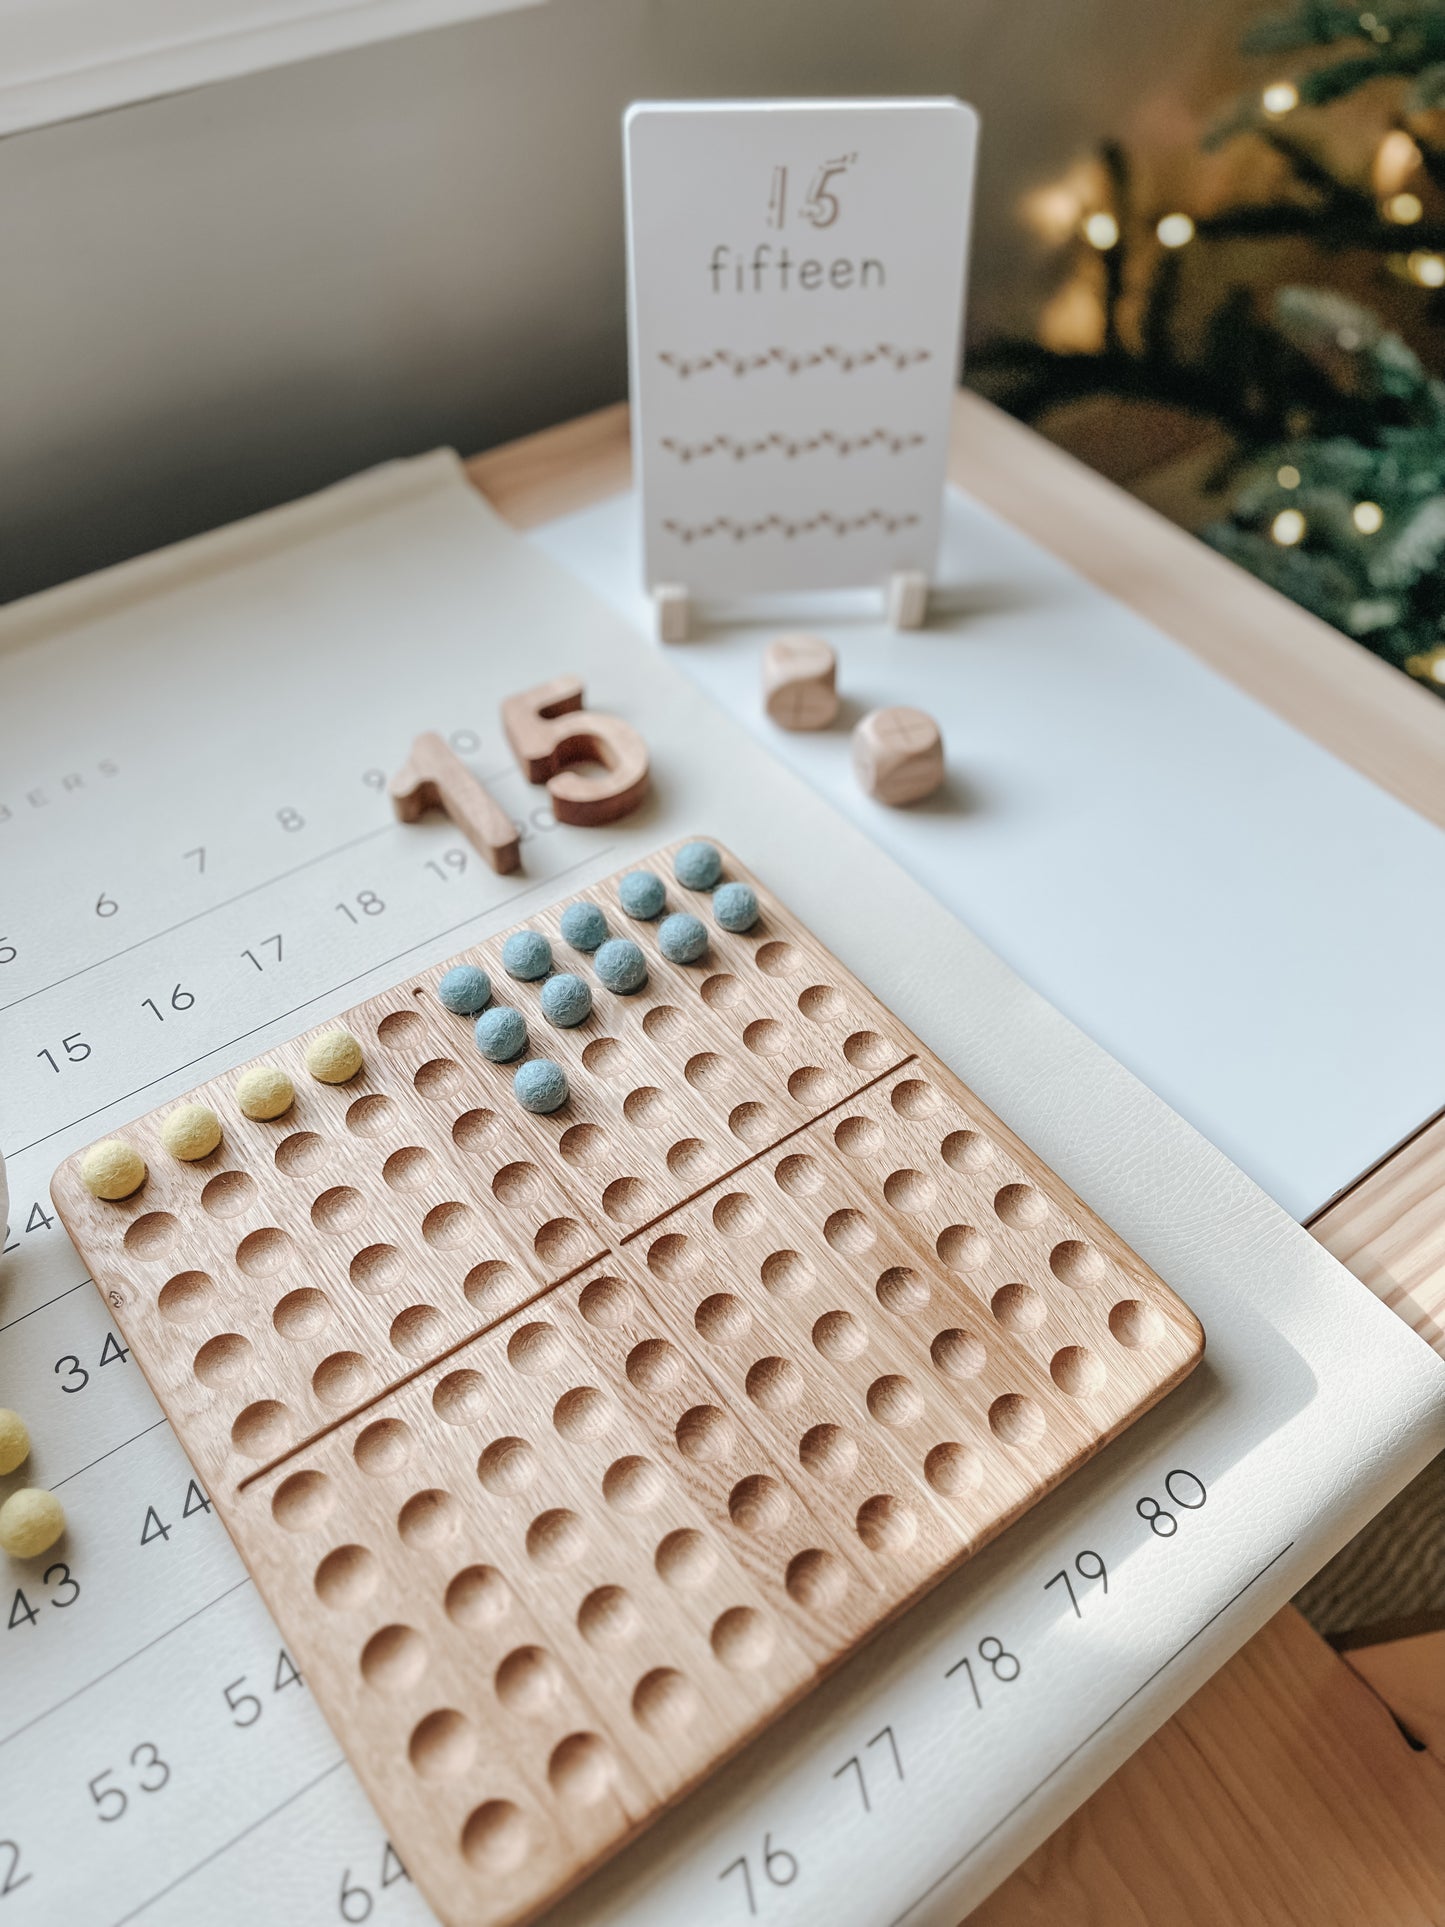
x=898, y=755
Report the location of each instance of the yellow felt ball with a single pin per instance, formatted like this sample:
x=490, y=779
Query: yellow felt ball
x=333, y=1057
x=112, y=1169
x=265, y=1091
x=14, y=1440
x=30, y=1521
x=191, y=1131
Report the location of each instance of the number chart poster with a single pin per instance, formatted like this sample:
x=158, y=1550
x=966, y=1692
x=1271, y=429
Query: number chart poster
x=796, y=275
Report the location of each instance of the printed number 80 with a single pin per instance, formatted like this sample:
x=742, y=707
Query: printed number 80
x=1163, y=1524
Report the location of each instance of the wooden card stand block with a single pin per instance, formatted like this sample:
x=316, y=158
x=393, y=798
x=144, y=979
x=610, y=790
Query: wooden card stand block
x=907, y=599
x=569, y=1450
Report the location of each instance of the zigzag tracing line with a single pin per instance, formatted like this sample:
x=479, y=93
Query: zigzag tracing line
x=795, y=361
x=787, y=528
x=741, y=451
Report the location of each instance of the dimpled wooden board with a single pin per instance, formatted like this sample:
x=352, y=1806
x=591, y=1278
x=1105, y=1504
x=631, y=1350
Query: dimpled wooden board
x=568, y=1451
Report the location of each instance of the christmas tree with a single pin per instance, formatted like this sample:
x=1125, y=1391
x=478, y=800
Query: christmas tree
x=1336, y=431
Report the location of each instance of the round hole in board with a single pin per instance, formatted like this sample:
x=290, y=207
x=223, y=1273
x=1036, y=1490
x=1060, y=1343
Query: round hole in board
x=151, y=1236
x=665, y=1702
x=496, y=1837
x=580, y=1770
x=393, y=1659
x=228, y=1194
x=303, y=1151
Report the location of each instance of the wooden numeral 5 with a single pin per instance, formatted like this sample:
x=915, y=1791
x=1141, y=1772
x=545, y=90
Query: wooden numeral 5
x=549, y=731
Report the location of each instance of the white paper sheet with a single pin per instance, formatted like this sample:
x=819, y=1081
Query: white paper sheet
x=241, y=696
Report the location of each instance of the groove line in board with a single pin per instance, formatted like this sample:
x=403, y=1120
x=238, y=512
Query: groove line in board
x=545, y=1291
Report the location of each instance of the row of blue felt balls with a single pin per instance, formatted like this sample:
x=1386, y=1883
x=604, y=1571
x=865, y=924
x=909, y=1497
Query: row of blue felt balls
x=541, y=1083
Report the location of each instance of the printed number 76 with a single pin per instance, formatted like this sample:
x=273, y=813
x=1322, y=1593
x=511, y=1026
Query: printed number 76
x=780, y=1869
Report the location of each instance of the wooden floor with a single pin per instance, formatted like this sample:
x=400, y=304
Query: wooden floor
x=1284, y=1794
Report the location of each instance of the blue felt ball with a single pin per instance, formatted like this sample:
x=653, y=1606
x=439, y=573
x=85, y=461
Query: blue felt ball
x=583, y=926
x=735, y=905
x=621, y=965
x=465, y=989
x=566, y=1001
x=642, y=894
x=541, y=1085
x=501, y=1034
x=697, y=866
x=526, y=954
x=682, y=938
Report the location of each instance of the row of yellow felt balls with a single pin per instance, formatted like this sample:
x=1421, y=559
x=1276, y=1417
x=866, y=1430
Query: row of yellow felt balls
x=31, y=1520
x=115, y=1169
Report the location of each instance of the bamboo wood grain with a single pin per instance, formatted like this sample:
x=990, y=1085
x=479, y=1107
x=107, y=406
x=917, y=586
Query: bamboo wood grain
x=1409, y=1676
x=568, y=1451
x=1389, y=1229
x=1282, y=1795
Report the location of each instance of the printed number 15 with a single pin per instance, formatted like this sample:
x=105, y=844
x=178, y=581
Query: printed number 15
x=75, y=1048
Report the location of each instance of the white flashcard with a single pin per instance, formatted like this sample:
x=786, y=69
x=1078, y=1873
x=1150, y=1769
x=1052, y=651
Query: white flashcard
x=796, y=275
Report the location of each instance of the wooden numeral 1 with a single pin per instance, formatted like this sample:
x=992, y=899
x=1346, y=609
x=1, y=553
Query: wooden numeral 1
x=432, y=778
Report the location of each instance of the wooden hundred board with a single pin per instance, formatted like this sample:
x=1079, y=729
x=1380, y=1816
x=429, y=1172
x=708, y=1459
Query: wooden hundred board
x=568, y=1451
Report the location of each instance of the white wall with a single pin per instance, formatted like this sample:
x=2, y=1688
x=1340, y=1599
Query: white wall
x=219, y=301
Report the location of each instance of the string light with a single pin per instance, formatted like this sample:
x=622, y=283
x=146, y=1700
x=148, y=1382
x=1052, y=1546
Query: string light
x=1396, y=159
x=1175, y=230
x=1280, y=97
x=1287, y=528
x=1427, y=269
x=1101, y=231
x=1430, y=667
x=1367, y=517
x=1404, y=209
x=1288, y=476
